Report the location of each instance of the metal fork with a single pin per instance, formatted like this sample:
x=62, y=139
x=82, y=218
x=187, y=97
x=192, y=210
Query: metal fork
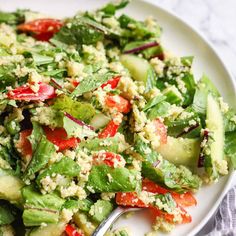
x=106, y=224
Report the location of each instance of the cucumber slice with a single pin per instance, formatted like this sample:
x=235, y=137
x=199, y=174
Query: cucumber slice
x=99, y=121
x=181, y=151
x=10, y=187
x=140, y=70
x=84, y=223
x=214, y=153
x=49, y=230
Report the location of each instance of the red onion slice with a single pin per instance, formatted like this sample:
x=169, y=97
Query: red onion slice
x=143, y=47
x=79, y=122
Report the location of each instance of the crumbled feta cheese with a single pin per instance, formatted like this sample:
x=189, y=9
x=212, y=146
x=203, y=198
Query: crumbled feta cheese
x=192, y=122
x=100, y=94
x=70, y=153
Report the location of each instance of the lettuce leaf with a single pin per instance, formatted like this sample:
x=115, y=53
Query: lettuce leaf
x=7, y=213
x=230, y=147
x=204, y=87
x=12, y=18
x=39, y=208
x=230, y=121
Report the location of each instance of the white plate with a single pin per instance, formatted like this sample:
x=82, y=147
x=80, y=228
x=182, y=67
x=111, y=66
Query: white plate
x=181, y=39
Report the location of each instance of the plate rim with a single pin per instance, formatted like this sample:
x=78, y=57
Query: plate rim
x=230, y=76
x=227, y=71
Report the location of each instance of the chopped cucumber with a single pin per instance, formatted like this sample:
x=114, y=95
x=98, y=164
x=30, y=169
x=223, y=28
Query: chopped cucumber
x=181, y=151
x=140, y=70
x=99, y=121
x=214, y=153
x=10, y=187
x=84, y=223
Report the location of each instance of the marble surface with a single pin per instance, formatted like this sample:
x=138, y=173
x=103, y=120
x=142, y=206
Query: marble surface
x=214, y=18
x=216, y=21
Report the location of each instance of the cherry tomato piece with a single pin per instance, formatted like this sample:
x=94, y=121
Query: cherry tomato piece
x=71, y=231
x=119, y=103
x=161, y=130
x=112, y=82
x=25, y=93
x=109, y=131
x=42, y=29
x=58, y=136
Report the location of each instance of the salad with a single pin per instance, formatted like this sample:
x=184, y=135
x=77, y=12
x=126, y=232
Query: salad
x=96, y=113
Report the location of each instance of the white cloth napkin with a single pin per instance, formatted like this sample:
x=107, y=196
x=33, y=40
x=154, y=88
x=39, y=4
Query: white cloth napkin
x=225, y=218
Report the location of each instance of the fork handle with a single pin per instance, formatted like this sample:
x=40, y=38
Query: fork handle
x=106, y=224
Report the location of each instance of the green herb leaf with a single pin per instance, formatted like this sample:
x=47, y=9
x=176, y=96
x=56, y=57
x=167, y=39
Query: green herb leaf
x=80, y=110
x=120, y=179
x=91, y=82
x=78, y=32
x=65, y=166
x=42, y=151
x=111, y=8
